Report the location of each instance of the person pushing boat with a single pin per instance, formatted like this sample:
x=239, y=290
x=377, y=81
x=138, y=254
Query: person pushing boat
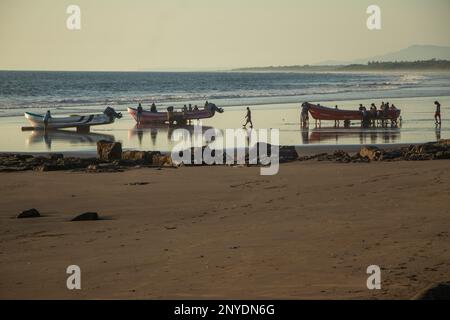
x=139, y=114
x=46, y=119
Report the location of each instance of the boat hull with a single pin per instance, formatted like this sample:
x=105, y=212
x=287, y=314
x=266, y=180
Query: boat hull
x=37, y=121
x=148, y=117
x=325, y=113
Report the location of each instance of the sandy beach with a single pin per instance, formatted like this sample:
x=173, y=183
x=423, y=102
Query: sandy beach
x=227, y=232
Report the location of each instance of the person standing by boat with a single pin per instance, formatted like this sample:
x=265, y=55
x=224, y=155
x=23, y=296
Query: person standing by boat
x=46, y=119
x=336, y=122
x=248, y=118
x=139, y=114
x=153, y=108
x=437, y=114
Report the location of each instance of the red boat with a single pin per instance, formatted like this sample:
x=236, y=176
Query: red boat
x=170, y=116
x=324, y=113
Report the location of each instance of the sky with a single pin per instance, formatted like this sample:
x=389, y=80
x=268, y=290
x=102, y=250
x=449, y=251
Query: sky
x=146, y=35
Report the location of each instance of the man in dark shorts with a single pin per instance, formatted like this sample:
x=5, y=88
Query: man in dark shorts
x=437, y=115
x=248, y=118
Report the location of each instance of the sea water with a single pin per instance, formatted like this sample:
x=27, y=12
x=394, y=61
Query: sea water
x=274, y=98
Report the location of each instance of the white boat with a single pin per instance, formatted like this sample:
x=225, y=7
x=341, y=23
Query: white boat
x=76, y=121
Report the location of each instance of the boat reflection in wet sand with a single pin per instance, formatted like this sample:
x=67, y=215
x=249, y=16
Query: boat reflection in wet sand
x=66, y=136
x=359, y=135
x=139, y=131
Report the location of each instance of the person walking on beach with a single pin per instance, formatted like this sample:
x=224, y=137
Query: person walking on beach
x=46, y=119
x=248, y=118
x=437, y=115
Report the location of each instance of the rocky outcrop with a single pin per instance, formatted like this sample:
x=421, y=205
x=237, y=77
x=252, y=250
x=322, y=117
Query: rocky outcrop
x=87, y=216
x=31, y=213
x=440, y=291
x=109, y=151
x=372, y=153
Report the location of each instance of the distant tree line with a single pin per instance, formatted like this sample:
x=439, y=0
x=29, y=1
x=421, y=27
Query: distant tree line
x=419, y=65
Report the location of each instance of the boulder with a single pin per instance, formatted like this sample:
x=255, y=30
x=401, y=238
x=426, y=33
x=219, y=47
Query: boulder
x=141, y=157
x=162, y=160
x=31, y=213
x=109, y=151
x=87, y=216
x=440, y=291
x=372, y=153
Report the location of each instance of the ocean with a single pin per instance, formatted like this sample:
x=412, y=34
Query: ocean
x=274, y=98
x=91, y=91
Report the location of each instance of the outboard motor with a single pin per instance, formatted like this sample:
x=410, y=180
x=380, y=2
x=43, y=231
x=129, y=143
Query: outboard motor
x=112, y=114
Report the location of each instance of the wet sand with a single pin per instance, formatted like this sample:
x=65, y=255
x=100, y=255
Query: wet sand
x=227, y=232
x=417, y=127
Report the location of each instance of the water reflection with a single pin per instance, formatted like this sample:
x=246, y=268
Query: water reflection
x=38, y=137
x=151, y=132
x=332, y=135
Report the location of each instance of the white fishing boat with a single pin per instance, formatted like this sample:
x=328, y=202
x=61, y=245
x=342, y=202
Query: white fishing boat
x=81, y=122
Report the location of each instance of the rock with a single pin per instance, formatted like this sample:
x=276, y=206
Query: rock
x=392, y=155
x=288, y=154
x=442, y=155
x=141, y=157
x=109, y=151
x=372, y=153
x=32, y=213
x=162, y=160
x=440, y=291
x=56, y=156
x=13, y=169
x=87, y=216
x=92, y=168
x=47, y=167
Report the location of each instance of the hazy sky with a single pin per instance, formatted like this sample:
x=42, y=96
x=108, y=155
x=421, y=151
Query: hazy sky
x=209, y=34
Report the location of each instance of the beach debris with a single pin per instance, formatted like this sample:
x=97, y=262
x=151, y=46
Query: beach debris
x=137, y=183
x=87, y=216
x=31, y=213
x=109, y=151
x=439, y=291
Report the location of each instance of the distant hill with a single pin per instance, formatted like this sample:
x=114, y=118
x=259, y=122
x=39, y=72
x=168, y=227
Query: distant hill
x=421, y=65
x=412, y=53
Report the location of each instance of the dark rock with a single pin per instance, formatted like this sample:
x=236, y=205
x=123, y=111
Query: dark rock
x=88, y=216
x=288, y=154
x=32, y=213
x=392, y=154
x=14, y=169
x=440, y=291
x=109, y=151
x=56, y=156
x=442, y=155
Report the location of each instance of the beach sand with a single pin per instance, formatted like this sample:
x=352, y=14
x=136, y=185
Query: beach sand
x=226, y=232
